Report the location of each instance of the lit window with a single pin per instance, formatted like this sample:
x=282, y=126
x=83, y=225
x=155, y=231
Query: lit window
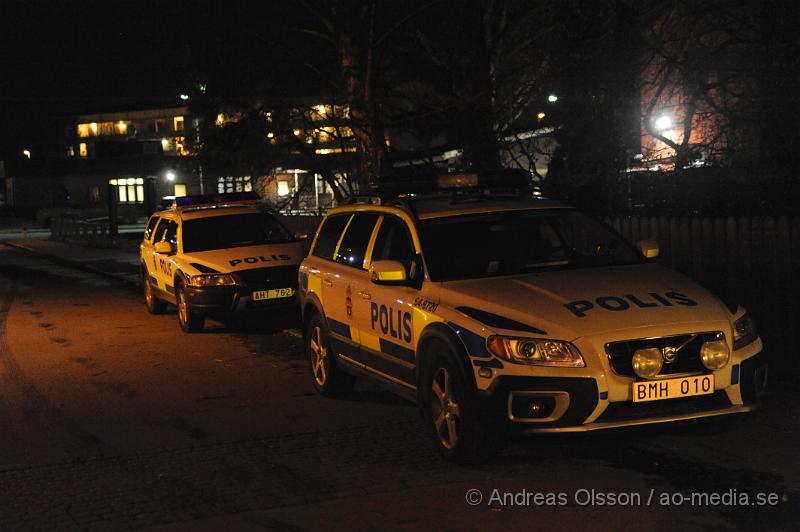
x=83, y=130
x=122, y=127
x=234, y=184
x=180, y=146
x=93, y=127
x=283, y=188
x=70, y=151
x=180, y=190
x=83, y=149
x=129, y=190
x=177, y=123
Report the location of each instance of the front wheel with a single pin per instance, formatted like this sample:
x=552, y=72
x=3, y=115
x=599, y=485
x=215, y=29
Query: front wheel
x=326, y=375
x=190, y=322
x=153, y=304
x=453, y=416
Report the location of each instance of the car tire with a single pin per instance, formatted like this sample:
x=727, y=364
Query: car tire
x=452, y=415
x=190, y=321
x=327, y=377
x=151, y=301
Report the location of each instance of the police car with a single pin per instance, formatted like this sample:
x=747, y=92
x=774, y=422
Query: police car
x=500, y=311
x=218, y=255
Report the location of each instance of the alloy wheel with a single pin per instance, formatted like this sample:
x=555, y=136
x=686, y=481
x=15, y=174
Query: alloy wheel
x=445, y=409
x=319, y=357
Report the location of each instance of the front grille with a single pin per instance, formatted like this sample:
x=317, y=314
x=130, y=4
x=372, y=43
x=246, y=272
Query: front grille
x=266, y=278
x=630, y=411
x=686, y=359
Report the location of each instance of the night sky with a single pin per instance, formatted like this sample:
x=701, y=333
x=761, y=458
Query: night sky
x=62, y=58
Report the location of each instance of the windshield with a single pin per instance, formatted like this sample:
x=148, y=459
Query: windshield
x=232, y=231
x=515, y=242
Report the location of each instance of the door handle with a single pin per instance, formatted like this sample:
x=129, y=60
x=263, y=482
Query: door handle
x=365, y=295
x=327, y=282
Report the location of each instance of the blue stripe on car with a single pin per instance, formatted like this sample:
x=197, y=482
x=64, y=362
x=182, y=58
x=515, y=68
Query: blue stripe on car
x=475, y=343
x=391, y=348
x=735, y=374
x=170, y=289
x=500, y=322
x=337, y=327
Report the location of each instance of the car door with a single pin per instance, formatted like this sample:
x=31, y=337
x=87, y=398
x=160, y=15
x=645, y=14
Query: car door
x=384, y=313
x=146, y=248
x=343, y=274
x=162, y=265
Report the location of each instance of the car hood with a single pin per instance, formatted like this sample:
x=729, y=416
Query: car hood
x=245, y=258
x=573, y=303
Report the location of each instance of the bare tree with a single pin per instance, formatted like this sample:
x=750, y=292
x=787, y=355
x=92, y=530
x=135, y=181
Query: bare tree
x=698, y=80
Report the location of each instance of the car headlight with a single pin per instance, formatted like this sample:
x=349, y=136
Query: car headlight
x=536, y=352
x=213, y=279
x=744, y=332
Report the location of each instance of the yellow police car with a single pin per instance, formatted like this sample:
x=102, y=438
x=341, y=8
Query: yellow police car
x=499, y=311
x=218, y=255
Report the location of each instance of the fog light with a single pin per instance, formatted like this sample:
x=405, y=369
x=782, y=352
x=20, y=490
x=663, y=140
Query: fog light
x=647, y=362
x=715, y=354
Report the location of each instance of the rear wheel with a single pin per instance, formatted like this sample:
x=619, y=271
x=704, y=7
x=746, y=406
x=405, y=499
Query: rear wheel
x=190, y=322
x=450, y=410
x=153, y=304
x=326, y=375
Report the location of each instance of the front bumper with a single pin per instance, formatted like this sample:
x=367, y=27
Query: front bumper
x=216, y=300
x=577, y=405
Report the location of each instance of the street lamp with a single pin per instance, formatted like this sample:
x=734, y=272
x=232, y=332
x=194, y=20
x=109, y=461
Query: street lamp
x=170, y=175
x=663, y=122
x=552, y=98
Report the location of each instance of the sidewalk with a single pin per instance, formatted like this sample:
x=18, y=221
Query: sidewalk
x=120, y=263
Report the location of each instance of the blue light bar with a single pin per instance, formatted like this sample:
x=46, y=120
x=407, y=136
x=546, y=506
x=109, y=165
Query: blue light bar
x=210, y=199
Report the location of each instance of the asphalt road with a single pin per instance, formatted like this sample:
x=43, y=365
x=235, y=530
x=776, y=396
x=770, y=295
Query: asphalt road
x=111, y=418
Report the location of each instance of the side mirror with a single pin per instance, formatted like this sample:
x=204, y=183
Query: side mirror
x=387, y=272
x=648, y=248
x=164, y=248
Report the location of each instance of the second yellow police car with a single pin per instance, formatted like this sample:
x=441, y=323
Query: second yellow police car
x=218, y=255
x=498, y=311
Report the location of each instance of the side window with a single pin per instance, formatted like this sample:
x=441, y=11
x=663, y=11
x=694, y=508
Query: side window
x=151, y=226
x=160, y=230
x=353, y=248
x=329, y=235
x=171, y=235
x=393, y=241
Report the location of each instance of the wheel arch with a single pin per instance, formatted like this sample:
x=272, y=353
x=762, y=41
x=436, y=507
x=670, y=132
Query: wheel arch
x=443, y=332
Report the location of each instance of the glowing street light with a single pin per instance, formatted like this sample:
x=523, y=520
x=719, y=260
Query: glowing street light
x=552, y=98
x=663, y=122
x=170, y=176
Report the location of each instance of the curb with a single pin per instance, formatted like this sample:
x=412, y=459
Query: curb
x=61, y=261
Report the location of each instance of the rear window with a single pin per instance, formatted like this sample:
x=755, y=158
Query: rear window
x=233, y=231
x=328, y=235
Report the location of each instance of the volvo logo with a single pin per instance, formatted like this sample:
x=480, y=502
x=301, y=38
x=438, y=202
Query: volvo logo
x=670, y=353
